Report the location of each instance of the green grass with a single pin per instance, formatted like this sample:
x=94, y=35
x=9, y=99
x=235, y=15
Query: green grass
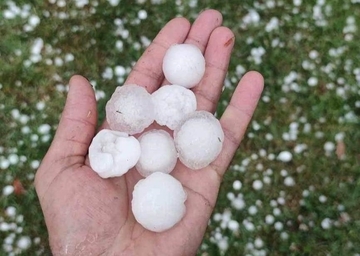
x=91, y=38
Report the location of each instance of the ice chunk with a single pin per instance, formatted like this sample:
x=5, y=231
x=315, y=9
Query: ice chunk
x=113, y=153
x=284, y=156
x=158, y=153
x=130, y=109
x=184, y=64
x=158, y=202
x=198, y=139
x=172, y=103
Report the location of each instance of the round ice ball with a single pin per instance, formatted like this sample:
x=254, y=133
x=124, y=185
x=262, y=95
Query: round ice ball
x=130, y=109
x=113, y=153
x=184, y=65
x=158, y=202
x=158, y=153
x=199, y=139
x=172, y=103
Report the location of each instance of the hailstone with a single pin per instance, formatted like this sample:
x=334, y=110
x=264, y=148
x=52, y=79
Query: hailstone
x=130, y=109
x=158, y=153
x=172, y=103
x=113, y=153
x=158, y=202
x=199, y=139
x=184, y=65
x=284, y=156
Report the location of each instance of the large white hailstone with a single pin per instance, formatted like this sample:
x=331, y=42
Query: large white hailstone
x=172, y=103
x=113, y=153
x=158, y=202
x=184, y=64
x=130, y=109
x=158, y=153
x=199, y=139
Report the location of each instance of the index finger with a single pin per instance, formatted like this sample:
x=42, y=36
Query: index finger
x=147, y=72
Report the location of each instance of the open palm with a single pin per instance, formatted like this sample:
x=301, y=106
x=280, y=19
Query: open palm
x=88, y=215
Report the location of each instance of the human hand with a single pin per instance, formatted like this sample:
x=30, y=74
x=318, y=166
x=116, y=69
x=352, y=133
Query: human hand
x=88, y=215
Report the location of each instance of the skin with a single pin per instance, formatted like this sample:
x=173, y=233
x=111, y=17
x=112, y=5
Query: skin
x=88, y=215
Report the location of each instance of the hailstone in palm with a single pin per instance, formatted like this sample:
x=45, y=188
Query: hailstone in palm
x=130, y=109
x=113, y=153
x=158, y=202
x=184, y=65
x=158, y=153
x=172, y=103
x=199, y=139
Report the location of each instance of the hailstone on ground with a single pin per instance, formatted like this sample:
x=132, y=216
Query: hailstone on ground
x=184, y=65
x=199, y=139
x=130, y=109
x=284, y=156
x=172, y=103
x=158, y=202
x=158, y=153
x=113, y=153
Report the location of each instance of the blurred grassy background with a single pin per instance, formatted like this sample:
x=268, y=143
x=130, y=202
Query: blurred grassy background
x=309, y=54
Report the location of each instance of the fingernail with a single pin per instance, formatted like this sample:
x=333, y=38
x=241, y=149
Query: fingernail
x=89, y=82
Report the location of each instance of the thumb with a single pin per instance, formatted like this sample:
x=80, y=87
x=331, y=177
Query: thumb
x=78, y=121
x=74, y=134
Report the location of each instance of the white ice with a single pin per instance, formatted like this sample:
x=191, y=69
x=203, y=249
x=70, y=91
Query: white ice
x=184, y=65
x=284, y=156
x=172, y=103
x=130, y=109
x=113, y=153
x=158, y=202
x=199, y=139
x=158, y=153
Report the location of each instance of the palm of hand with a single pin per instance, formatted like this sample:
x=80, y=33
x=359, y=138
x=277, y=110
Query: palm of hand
x=87, y=215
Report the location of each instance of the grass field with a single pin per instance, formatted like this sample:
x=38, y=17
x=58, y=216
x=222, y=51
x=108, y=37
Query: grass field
x=293, y=187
